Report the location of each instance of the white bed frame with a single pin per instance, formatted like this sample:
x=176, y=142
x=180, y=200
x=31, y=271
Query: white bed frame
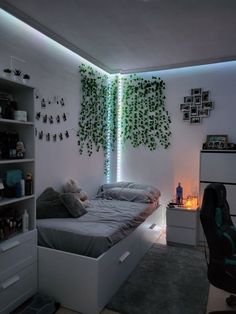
x=86, y=284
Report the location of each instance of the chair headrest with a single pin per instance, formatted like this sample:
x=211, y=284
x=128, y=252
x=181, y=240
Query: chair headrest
x=220, y=192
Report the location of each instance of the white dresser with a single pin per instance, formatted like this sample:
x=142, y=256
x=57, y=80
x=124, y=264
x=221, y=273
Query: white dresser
x=218, y=166
x=18, y=270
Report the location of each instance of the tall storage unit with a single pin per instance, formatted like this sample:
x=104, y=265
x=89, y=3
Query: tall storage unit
x=18, y=260
x=219, y=166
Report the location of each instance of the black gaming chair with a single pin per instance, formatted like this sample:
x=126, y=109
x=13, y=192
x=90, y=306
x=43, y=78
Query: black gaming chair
x=220, y=234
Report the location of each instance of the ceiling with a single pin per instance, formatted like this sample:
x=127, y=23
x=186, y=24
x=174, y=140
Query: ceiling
x=136, y=35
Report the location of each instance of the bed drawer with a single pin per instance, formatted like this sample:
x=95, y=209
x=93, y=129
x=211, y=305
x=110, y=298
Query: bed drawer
x=17, y=288
x=118, y=271
x=17, y=252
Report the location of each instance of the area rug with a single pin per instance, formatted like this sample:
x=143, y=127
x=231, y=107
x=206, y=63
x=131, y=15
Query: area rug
x=168, y=280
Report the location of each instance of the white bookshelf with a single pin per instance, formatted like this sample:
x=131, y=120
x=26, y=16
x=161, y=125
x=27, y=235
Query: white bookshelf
x=18, y=264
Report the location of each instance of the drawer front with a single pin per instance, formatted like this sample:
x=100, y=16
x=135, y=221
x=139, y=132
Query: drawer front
x=181, y=235
x=218, y=167
x=116, y=273
x=181, y=218
x=17, y=288
x=17, y=252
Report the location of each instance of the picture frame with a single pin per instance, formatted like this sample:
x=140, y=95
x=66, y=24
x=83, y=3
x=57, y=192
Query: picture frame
x=217, y=141
x=184, y=107
x=205, y=96
x=207, y=105
x=195, y=120
x=203, y=113
x=197, y=100
x=186, y=116
x=193, y=111
x=188, y=99
x=196, y=91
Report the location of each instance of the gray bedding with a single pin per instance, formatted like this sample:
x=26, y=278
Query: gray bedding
x=106, y=223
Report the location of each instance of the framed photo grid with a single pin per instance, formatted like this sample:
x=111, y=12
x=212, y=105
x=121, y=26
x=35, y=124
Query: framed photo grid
x=196, y=106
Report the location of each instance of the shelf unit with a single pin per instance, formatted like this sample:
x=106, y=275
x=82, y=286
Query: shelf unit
x=18, y=254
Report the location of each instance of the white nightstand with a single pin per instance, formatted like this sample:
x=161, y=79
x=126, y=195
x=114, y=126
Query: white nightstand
x=181, y=225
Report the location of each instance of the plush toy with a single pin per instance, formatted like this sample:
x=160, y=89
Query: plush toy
x=20, y=150
x=72, y=186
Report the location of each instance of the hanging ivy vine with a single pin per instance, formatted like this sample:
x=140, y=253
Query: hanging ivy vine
x=99, y=96
x=144, y=118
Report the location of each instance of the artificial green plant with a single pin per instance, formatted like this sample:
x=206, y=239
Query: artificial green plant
x=144, y=118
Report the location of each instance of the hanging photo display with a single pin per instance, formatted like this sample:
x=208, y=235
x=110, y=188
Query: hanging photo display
x=51, y=136
x=46, y=118
x=196, y=106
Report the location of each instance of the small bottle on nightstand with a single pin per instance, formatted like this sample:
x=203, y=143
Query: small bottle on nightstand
x=179, y=194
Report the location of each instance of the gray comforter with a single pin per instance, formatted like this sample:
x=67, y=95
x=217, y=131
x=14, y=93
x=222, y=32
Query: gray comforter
x=106, y=223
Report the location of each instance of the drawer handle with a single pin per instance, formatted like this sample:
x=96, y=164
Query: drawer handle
x=152, y=226
x=10, y=282
x=10, y=246
x=124, y=256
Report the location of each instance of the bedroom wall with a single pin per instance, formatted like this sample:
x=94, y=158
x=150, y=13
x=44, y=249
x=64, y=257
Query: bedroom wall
x=180, y=162
x=54, y=72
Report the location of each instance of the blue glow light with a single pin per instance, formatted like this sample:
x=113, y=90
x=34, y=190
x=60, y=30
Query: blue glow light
x=30, y=32
x=108, y=137
x=119, y=128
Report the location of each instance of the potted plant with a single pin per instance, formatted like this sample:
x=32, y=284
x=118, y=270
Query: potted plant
x=17, y=74
x=7, y=72
x=26, y=78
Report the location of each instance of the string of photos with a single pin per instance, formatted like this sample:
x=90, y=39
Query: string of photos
x=51, y=136
x=51, y=119
x=58, y=118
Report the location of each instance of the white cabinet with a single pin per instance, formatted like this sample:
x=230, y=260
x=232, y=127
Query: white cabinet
x=219, y=167
x=18, y=264
x=181, y=226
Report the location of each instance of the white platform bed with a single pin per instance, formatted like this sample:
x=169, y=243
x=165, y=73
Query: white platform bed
x=83, y=283
x=86, y=284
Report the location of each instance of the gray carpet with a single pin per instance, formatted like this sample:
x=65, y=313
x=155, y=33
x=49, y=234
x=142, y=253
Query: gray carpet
x=168, y=280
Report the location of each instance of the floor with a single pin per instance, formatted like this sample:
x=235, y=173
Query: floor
x=216, y=298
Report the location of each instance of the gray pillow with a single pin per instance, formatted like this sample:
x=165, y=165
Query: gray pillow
x=49, y=205
x=127, y=194
x=73, y=205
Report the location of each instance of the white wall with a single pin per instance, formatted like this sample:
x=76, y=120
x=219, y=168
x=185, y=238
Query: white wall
x=54, y=72
x=180, y=162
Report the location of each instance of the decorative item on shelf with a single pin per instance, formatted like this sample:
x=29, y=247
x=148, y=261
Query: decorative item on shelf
x=25, y=221
x=9, y=226
x=12, y=183
x=29, y=184
x=26, y=78
x=196, y=106
x=191, y=202
x=217, y=142
x=179, y=194
x=7, y=72
x=20, y=115
x=20, y=150
x=231, y=146
x=17, y=74
x=1, y=189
